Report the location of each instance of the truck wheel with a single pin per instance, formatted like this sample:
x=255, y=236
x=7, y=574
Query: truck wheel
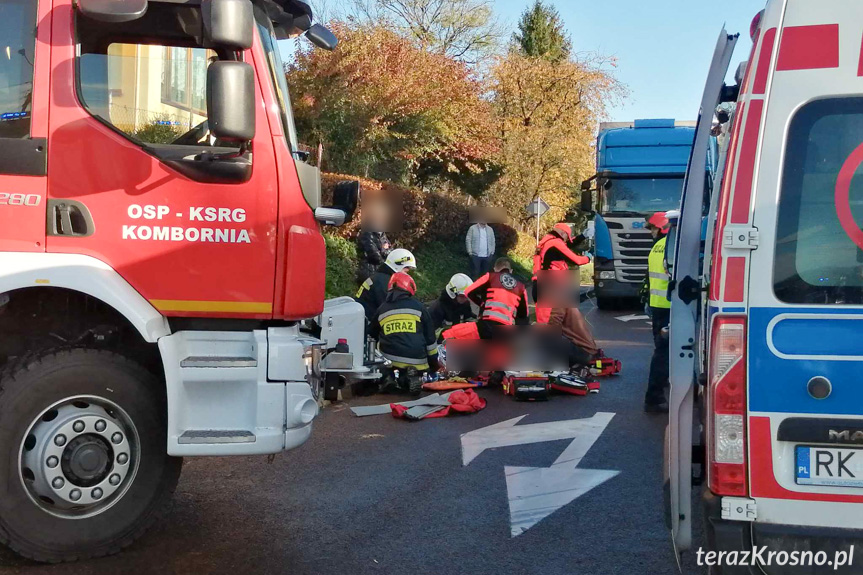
x=83, y=464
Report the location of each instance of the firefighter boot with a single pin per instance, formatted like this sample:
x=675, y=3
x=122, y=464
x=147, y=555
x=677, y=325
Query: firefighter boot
x=387, y=382
x=411, y=381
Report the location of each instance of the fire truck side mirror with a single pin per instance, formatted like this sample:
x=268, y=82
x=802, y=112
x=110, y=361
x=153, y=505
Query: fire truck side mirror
x=228, y=23
x=230, y=100
x=113, y=11
x=321, y=37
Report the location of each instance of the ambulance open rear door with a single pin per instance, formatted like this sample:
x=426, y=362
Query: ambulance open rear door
x=686, y=291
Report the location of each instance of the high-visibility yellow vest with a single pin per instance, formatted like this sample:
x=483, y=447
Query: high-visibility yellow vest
x=658, y=276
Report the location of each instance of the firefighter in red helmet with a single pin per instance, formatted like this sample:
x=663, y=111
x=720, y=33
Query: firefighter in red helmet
x=406, y=336
x=553, y=254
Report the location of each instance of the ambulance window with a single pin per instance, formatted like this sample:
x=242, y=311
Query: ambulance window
x=17, y=47
x=818, y=260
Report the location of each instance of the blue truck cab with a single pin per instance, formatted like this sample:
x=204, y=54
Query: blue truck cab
x=640, y=167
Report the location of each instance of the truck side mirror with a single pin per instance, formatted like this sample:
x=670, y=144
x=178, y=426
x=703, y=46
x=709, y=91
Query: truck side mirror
x=113, y=11
x=321, y=37
x=586, y=200
x=231, y=100
x=228, y=23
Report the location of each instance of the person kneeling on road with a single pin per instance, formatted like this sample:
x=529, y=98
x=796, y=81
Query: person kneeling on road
x=452, y=307
x=373, y=290
x=579, y=348
x=405, y=336
x=501, y=298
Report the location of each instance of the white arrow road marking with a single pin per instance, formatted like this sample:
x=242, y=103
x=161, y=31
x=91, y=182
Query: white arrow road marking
x=536, y=492
x=631, y=317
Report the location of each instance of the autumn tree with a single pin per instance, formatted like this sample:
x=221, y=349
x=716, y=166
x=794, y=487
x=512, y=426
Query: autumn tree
x=384, y=108
x=465, y=30
x=541, y=34
x=547, y=113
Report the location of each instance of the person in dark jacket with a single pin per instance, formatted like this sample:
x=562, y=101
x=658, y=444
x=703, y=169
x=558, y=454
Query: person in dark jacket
x=452, y=307
x=373, y=290
x=374, y=247
x=405, y=336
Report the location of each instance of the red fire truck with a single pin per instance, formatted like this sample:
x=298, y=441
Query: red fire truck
x=159, y=252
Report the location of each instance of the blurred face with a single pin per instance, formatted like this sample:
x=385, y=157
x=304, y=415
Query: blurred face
x=382, y=213
x=461, y=299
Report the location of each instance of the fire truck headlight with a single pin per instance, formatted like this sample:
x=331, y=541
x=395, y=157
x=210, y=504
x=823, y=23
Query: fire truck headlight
x=606, y=275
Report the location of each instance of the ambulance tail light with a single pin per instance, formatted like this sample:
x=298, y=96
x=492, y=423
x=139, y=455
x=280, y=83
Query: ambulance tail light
x=726, y=405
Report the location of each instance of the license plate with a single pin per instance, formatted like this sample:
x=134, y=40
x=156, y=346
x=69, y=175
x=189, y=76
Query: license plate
x=835, y=467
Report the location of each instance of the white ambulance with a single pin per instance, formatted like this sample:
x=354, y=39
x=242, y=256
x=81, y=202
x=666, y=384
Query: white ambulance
x=767, y=332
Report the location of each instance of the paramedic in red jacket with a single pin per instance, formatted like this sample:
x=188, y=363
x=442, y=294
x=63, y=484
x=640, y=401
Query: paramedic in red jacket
x=502, y=300
x=553, y=254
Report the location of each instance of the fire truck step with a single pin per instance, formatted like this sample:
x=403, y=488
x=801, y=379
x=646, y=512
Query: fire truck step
x=210, y=361
x=216, y=436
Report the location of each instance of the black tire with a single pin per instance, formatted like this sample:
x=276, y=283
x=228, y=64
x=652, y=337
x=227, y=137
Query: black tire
x=31, y=387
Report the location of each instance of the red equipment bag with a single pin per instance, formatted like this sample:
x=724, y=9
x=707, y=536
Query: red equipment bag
x=526, y=388
x=605, y=366
x=570, y=385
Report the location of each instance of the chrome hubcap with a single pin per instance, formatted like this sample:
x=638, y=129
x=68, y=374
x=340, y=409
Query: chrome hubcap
x=79, y=457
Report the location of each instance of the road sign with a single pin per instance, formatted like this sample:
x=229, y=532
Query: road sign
x=537, y=206
x=534, y=493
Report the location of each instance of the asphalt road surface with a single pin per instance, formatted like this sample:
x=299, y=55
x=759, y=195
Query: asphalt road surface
x=379, y=495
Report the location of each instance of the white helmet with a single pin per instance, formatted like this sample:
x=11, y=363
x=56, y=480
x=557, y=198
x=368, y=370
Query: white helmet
x=457, y=284
x=400, y=260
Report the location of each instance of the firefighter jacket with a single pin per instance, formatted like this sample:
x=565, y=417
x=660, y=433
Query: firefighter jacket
x=373, y=291
x=405, y=332
x=501, y=297
x=553, y=253
x=446, y=311
x=658, y=276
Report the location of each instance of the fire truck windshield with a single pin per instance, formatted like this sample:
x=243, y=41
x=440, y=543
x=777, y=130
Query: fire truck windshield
x=641, y=196
x=277, y=73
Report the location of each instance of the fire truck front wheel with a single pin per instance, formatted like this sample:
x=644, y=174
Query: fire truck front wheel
x=83, y=463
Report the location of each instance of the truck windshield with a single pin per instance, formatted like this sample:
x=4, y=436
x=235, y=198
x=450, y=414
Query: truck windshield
x=277, y=73
x=641, y=196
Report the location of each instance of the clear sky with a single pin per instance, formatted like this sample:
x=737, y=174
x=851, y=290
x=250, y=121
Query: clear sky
x=663, y=47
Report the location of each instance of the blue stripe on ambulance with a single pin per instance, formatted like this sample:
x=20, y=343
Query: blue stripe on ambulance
x=779, y=384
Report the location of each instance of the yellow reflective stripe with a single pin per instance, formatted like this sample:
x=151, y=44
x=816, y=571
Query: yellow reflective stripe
x=401, y=311
x=658, y=275
x=212, y=306
x=366, y=285
x=385, y=319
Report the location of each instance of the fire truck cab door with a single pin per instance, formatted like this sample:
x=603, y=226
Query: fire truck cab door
x=685, y=305
x=137, y=180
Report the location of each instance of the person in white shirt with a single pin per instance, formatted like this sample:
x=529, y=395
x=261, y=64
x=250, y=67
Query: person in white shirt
x=480, y=247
